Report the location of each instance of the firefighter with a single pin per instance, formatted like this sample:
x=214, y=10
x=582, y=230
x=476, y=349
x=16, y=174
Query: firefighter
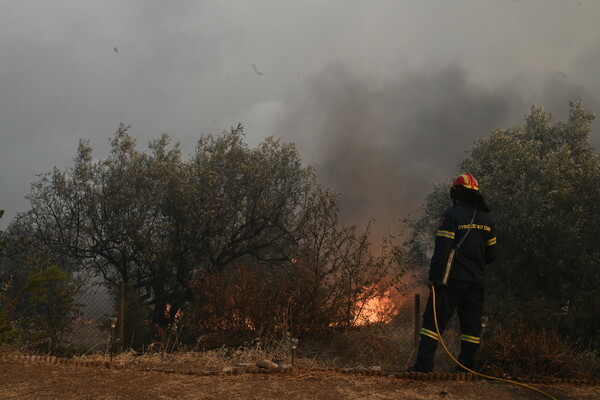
x=466, y=223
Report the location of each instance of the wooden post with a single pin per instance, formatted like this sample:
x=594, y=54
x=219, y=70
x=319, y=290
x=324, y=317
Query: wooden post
x=121, y=318
x=417, y=318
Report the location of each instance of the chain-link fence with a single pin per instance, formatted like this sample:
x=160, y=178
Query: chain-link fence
x=94, y=328
x=391, y=337
x=389, y=340
x=110, y=321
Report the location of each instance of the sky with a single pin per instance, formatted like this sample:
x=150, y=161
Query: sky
x=383, y=97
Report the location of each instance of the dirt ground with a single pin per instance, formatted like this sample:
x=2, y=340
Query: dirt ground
x=22, y=381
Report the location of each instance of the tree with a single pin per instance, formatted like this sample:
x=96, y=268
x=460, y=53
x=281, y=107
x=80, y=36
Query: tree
x=50, y=306
x=270, y=216
x=161, y=223
x=542, y=181
x=7, y=330
x=335, y=271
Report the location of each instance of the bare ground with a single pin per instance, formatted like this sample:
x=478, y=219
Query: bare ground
x=22, y=381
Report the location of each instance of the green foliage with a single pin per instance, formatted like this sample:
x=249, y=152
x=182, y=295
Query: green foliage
x=3, y=239
x=7, y=304
x=419, y=245
x=542, y=181
x=7, y=329
x=138, y=329
x=50, y=306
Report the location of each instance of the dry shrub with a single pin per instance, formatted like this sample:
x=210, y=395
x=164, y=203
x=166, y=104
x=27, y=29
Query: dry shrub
x=376, y=344
x=235, y=308
x=529, y=339
x=523, y=351
x=588, y=363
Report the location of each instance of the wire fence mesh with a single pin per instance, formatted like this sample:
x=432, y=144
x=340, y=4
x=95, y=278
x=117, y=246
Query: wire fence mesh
x=388, y=341
x=93, y=329
x=109, y=321
x=392, y=340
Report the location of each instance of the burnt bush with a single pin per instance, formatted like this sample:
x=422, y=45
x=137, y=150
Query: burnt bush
x=232, y=308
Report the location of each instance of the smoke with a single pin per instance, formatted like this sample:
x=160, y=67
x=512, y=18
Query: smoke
x=382, y=144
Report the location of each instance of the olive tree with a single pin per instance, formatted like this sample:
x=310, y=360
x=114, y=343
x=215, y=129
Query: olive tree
x=542, y=181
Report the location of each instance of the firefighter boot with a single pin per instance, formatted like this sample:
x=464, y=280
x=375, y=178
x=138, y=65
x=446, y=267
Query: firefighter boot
x=468, y=350
x=427, y=348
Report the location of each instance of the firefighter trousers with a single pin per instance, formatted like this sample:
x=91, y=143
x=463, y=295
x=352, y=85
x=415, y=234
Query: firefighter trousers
x=465, y=297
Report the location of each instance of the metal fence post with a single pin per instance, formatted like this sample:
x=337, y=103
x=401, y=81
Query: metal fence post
x=121, y=318
x=417, y=318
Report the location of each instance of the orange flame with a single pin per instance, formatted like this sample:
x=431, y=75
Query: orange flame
x=378, y=309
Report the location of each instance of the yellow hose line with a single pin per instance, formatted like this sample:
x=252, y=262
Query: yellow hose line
x=467, y=369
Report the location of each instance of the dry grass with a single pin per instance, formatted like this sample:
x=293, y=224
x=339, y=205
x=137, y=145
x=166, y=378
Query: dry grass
x=370, y=345
x=211, y=360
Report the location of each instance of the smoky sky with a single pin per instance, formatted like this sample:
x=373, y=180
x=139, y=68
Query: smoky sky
x=382, y=98
x=382, y=147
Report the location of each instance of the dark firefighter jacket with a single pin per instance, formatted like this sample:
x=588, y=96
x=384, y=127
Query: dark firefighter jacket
x=478, y=249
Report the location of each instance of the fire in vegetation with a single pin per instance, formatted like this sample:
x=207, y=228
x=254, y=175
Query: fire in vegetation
x=378, y=309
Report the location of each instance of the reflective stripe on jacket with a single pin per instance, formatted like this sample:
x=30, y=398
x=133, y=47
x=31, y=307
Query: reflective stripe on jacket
x=478, y=249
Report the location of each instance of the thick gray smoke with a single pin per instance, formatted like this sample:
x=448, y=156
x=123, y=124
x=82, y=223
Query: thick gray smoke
x=383, y=145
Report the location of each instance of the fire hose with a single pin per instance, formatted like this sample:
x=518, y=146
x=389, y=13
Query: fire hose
x=437, y=329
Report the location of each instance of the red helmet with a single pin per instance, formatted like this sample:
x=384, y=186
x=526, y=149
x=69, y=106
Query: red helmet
x=466, y=180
